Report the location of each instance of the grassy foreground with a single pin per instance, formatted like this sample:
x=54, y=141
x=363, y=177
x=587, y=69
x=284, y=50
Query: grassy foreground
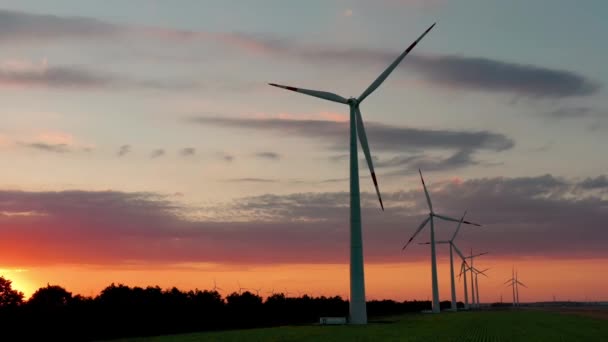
x=463, y=326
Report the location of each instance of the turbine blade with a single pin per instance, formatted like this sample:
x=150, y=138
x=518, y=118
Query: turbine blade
x=436, y=242
x=368, y=156
x=390, y=68
x=417, y=231
x=522, y=284
x=508, y=281
x=459, y=224
x=447, y=218
x=426, y=193
x=480, y=272
x=458, y=252
x=316, y=93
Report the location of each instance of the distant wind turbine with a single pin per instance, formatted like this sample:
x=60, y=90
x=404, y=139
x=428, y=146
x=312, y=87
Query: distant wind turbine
x=452, y=248
x=357, y=306
x=463, y=271
x=432, y=214
x=215, y=288
x=514, y=282
x=240, y=287
x=478, y=272
x=472, y=257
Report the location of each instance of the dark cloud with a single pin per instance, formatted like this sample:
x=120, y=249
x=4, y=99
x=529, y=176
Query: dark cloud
x=55, y=148
x=268, y=155
x=492, y=75
x=19, y=26
x=381, y=137
x=576, y=113
x=157, y=153
x=187, y=151
x=522, y=217
x=475, y=73
x=599, y=182
x=411, y=164
x=123, y=150
x=81, y=78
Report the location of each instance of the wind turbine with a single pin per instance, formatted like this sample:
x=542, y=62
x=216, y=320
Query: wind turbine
x=477, y=272
x=432, y=214
x=215, y=288
x=453, y=247
x=357, y=308
x=512, y=283
x=472, y=257
x=240, y=287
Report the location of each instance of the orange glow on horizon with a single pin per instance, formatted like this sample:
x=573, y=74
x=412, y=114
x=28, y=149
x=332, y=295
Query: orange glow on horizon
x=566, y=279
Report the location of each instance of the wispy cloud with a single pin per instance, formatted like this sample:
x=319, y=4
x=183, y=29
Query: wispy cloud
x=268, y=155
x=157, y=153
x=226, y=157
x=251, y=180
x=187, y=151
x=577, y=112
x=124, y=150
x=74, y=77
x=55, y=148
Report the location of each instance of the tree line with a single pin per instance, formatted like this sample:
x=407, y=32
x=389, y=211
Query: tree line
x=53, y=313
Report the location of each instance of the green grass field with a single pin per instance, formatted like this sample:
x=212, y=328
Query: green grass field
x=464, y=326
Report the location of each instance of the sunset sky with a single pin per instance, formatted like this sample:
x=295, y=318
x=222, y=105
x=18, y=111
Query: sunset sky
x=141, y=144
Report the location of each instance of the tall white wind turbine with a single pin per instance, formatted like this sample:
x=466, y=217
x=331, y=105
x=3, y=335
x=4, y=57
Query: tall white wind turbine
x=432, y=215
x=453, y=248
x=357, y=308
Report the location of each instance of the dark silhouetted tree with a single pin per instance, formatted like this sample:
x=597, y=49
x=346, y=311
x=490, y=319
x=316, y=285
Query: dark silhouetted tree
x=51, y=296
x=8, y=296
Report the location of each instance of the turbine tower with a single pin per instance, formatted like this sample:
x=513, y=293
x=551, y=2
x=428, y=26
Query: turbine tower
x=463, y=271
x=432, y=214
x=357, y=306
x=511, y=283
